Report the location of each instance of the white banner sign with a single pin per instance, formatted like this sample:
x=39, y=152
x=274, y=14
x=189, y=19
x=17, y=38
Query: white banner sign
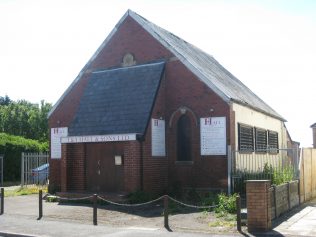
x=56, y=134
x=213, y=136
x=99, y=138
x=158, y=140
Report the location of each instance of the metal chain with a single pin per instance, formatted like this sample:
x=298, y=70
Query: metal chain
x=192, y=206
x=130, y=205
x=74, y=199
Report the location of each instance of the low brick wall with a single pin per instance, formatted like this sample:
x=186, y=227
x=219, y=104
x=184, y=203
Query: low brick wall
x=283, y=198
x=265, y=202
x=258, y=205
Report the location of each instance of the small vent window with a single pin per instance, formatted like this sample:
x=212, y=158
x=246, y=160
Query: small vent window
x=261, y=140
x=273, y=141
x=245, y=138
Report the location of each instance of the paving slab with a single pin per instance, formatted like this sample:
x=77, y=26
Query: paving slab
x=301, y=221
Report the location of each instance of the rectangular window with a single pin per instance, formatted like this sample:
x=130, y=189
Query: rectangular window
x=245, y=138
x=273, y=141
x=261, y=140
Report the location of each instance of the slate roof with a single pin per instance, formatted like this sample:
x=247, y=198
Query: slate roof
x=207, y=68
x=203, y=65
x=313, y=125
x=118, y=101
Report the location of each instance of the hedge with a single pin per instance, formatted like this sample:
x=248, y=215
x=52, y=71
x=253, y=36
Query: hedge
x=12, y=147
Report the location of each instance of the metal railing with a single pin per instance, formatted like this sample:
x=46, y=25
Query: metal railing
x=32, y=170
x=262, y=164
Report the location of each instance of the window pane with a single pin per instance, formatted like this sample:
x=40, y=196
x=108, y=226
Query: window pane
x=184, y=139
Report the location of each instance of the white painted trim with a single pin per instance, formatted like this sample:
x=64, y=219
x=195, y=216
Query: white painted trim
x=229, y=169
x=99, y=138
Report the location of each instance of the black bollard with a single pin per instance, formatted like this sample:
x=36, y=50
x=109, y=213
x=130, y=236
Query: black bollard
x=40, y=204
x=2, y=201
x=95, y=211
x=238, y=207
x=166, y=212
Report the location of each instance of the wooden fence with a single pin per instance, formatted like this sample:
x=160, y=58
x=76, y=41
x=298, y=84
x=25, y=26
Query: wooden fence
x=307, y=174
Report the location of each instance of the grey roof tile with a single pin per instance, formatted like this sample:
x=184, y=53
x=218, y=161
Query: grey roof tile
x=118, y=101
x=207, y=68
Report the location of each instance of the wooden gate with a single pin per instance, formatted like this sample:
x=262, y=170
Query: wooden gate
x=308, y=174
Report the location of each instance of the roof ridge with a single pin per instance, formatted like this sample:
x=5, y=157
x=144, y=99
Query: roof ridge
x=203, y=65
x=152, y=28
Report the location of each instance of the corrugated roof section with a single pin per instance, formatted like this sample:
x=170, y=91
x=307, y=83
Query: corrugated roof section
x=118, y=101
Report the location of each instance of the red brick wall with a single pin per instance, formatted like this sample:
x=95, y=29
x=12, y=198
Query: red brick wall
x=184, y=89
x=132, y=166
x=179, y=88
x=129, y=38
x=73, y=175
x=258, y=205
x=54, y=175
x=155, y=168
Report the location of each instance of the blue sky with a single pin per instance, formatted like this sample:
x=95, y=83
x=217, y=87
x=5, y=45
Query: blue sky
x=269, y=45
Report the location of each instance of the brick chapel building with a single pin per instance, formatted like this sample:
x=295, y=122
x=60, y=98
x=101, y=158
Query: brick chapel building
x=149, y=111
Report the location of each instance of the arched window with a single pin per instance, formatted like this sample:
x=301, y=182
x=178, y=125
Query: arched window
x=184, y=139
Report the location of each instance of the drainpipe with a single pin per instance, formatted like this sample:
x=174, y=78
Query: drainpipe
x=141, y=162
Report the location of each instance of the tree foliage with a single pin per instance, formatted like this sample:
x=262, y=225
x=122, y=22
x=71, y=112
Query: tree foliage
x=22, y=118
x=5, y=100
x=12, y=147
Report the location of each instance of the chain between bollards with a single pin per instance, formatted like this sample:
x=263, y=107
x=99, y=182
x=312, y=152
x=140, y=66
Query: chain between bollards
x=2, y=201
x=95, y=210
x=40, y=204
x=238, y=207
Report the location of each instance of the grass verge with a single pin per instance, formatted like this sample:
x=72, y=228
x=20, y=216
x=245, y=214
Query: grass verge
x=26, y=190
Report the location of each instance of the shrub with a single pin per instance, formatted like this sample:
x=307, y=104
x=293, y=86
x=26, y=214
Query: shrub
x=12, y=148
x=283, y=176
x=226, y=203
x=276, y=175
x=139, y=197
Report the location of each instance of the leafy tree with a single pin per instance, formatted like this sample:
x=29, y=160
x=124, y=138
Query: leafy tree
x=5, y=100
x=25, y=119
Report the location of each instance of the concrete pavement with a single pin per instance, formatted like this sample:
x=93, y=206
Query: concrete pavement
x=299, y=222
x=21, y=213
x=12, y=225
